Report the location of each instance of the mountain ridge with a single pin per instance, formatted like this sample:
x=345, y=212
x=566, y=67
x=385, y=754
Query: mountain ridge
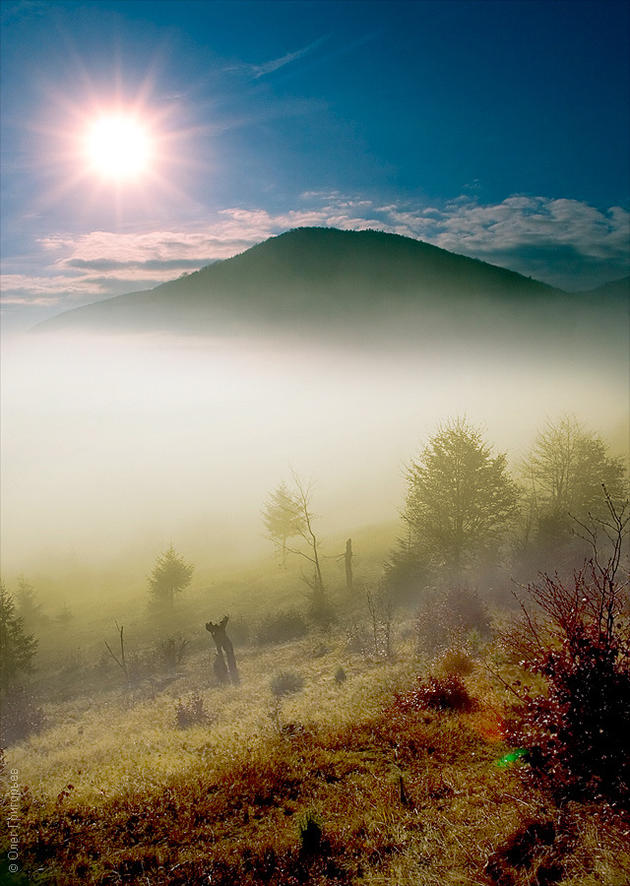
x=313, y=276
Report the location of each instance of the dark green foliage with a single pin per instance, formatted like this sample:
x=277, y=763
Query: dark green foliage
x=171, y=575
x=281, y=627
x=17, y=647
x=286, y=683
x=461, y=500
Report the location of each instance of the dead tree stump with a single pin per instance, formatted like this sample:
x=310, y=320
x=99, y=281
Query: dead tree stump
x=220, y=669
x=224, y=644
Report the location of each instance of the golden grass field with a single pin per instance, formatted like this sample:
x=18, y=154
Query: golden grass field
x=332, y=784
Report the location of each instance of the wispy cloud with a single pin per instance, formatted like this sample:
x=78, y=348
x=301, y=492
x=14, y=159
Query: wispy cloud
x=262, y=70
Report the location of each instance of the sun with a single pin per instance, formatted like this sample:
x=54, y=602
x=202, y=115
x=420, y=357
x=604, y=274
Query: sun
x=119, y=147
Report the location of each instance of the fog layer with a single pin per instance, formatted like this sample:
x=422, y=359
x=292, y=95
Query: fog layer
x=116, y=446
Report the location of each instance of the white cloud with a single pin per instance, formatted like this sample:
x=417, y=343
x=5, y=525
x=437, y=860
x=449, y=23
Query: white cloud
x=519, y=221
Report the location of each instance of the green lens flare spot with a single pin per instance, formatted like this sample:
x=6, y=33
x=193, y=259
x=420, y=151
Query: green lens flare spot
x=510, y=758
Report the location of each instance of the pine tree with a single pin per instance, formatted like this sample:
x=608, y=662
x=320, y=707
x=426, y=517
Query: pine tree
x=171, y=575
x=17, y=647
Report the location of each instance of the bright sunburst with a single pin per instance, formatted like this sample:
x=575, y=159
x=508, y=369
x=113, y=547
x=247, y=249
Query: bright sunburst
x=119, y=147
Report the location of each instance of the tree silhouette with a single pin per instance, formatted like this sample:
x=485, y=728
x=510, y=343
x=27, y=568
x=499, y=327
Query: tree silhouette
x=564, y=474
x=171, y=575
x=283, y=517
x=461, y=499
x=17, y=647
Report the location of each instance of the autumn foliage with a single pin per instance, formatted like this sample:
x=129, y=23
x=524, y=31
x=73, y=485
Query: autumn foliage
x=577, y=638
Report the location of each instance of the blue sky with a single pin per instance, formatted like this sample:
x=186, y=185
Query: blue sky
x=498, y=130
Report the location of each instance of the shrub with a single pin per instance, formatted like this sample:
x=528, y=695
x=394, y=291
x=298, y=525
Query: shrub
x=437, y=693
x=281, y=627
x=357, y=640
x=456, y=660
x=286, y=683
x=578, y=641
x=340, y=675
x=191, y=712
x=443, y=619
x=170, y=652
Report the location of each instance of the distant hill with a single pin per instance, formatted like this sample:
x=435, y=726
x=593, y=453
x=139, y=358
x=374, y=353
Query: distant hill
x=617, y=289
x=325, y=280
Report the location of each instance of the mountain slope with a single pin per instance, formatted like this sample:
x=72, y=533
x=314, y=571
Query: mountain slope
x=323, y=281
x=305, y=272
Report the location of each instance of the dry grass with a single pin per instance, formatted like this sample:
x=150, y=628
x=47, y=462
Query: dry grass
x=401, y=796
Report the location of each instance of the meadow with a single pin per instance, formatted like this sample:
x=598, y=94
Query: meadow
x=337, y=781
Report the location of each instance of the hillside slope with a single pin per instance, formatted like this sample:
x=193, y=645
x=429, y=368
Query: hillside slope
x=312, y=275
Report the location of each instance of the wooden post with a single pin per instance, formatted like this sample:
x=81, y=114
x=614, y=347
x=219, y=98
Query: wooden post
x=348, y=560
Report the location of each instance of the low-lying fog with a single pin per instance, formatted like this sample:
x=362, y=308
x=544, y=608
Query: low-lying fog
x=113, y=448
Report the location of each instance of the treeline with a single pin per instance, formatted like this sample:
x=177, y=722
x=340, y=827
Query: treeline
x=468, y=518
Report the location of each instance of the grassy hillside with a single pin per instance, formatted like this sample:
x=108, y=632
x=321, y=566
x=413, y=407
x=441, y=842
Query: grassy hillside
x=337, y=783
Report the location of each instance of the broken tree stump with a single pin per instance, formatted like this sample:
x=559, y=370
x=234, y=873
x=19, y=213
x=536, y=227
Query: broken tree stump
x=224, y=644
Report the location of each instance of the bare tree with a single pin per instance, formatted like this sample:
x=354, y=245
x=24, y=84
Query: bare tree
x=120, y=660
x=311, y=553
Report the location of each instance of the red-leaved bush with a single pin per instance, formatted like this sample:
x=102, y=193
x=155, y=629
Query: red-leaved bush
x=437, y=693
x=577, y=637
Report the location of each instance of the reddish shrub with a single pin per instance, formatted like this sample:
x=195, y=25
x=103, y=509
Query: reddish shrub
x=575, y=731
x=437, y=693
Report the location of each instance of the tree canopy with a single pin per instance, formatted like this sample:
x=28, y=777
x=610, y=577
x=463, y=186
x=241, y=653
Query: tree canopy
x=283, y=517
x=17, y=647
x=565, y=471
x=171, y=575
x=461, y=498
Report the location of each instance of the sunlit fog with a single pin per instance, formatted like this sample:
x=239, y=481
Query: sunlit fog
x=114, y=447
